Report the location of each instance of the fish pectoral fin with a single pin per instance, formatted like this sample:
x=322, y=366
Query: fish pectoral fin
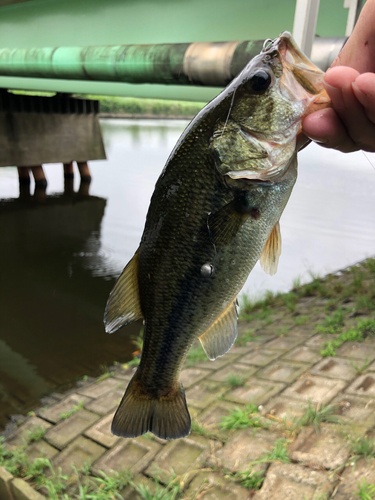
x=123, y=306
x=269, y=258
x=220, y=336
x=226, y=222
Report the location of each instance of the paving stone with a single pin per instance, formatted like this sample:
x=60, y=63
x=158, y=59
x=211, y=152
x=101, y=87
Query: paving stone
x=190, y=376
x=357, y=350
x=130, y=493
x=101, y=432
x=284, y=343
x=282, y=407
x=326, y=449
x=245, y=349
x=317, y=341
x=23, y=491
x=181, y=456
x=307, y=330
x=371, y=368
x=64, y=432
x=204, y=393
x=256, y=391
x=282, y=371
x=352, y=476
x=213, y=415
x=105, y=403
x=5, y=484
x=334, y=368
x=97, y=390
x=243, y=447
x=217, y=363
x=53, y=413
x=132, y=454
x=304, y=354
x=260, y=357
x=364, y=385
x=125, y=374
x=79, y=452
x=315, y=388
x=294, y=482
x=237, y=369
x=356, y=409
x=211, y=486
x=40, y=449
x=20, y=437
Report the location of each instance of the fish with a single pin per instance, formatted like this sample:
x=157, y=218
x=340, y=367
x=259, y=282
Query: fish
x=214, y=213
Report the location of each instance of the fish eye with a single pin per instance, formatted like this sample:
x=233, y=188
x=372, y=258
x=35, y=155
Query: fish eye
x=259, y=81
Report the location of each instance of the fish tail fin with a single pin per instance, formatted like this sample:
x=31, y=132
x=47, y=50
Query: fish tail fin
x=140, y=411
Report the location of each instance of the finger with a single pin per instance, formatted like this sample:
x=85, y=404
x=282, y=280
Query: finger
x=326, y=128
x=364, y=90
x=338, y=84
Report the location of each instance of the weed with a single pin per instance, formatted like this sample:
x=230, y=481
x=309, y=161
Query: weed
x=246, y=337
x=71, y=412
x=197, y=428
x=160, y=493
x=358, y=277
x=196, y=354
x=109, y=486
x=55, y=484
x=283, y=330
x=317, y=415
x=365, y=491
x=370, y=264
x=362, y=447
x=365, y=302
x=301, y=320
x=278, y=453
x=333, y=323
x=250, y=480
x=35, y=434
x=134, y=362
x=364, y=328
x=359, y=369
x=242, y=418
x=138, y=341
x=105, y=374
x=236, y=380
x=289, y=300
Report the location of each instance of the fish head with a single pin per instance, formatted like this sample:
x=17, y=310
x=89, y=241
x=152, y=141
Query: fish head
x=268, y=100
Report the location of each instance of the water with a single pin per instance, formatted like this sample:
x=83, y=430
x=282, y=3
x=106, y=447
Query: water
x=60, y=257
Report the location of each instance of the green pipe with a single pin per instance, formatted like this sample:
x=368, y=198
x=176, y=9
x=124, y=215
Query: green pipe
x=199, y=63
x=177, y=64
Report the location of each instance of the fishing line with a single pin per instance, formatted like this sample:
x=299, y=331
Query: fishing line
x=230, y=109
x=368, y=159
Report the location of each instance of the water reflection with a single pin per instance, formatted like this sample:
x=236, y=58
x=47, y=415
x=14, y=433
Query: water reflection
x=51, y=301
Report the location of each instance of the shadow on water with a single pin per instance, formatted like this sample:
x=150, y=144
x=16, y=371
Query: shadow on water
x=51, y=307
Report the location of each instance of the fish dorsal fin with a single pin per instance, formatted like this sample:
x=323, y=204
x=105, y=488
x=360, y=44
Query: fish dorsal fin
x=220, y=336
x=123, y=305
x=271, y=251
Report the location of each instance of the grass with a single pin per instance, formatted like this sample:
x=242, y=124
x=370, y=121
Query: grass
x=139, y=106
x=196, y=355
x=236, y=380
x=290, y=300
x=359, y=369
x=241, y=418
x=365, y=490
x=35, y=434
x=246, y=337
x=364, y=328
x=106, y=374
x=333, y=323
x=317, y=415
x=301, y=320
x=71, y=412
x=249, y=479
x=362, y=447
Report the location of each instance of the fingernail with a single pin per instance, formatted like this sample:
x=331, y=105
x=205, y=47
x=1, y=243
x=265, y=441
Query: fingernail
x=336, y=96
x=319, y=140
x=361, y=96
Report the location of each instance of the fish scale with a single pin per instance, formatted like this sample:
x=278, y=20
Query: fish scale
x=213, y=214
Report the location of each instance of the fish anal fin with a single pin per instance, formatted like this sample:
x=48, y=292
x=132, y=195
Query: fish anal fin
x=123, y=306
x=140, y=411
x=220, y=336
x=269, y=258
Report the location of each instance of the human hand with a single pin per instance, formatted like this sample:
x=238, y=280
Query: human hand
x=350, y=124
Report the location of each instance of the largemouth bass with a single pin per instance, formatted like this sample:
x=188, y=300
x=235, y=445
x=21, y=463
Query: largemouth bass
x=214, y=213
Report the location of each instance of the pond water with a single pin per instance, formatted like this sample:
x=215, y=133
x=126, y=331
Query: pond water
x=60, y=255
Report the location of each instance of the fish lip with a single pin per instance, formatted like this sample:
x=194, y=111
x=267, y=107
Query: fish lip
x=265, y=138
